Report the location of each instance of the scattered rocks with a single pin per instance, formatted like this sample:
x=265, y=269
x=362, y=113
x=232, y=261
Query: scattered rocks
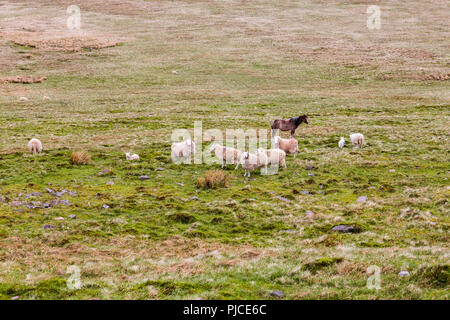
x=49, y=190
x=105, y=206
x=277, y=294
x=310, y=167
x=305, y=192
x=159, y=169
x=59, y=218
x=403, y=274
x=144, y=177
x=16, y=203
x=180, y=184
x=362, y=199
x=110, y=183
x=48, y=226
x=311, y=174
x=15, y=298
x=72, y=216
x=193, y=198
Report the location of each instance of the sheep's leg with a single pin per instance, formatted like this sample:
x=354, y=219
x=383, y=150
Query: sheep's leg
x=237, y=166
x=223, y=163
x=274, y=132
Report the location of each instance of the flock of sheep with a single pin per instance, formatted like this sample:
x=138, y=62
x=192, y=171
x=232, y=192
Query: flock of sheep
x=263, y=158
x=275, y=157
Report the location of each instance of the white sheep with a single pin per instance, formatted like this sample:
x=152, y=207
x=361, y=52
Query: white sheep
x=250, y=162
x=357, y=139
x=182, y=149
x=131, y=157
x=35, y=146
x=275, y=156
x=226, y=154
x=341, y=142
x=287, y=145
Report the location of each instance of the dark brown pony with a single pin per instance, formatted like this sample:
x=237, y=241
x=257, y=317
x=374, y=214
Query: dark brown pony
x=290, y=124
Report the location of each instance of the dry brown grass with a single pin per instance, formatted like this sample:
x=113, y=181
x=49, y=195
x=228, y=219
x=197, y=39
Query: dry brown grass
x=24, y=79
x=213, y=179
x=80, y=157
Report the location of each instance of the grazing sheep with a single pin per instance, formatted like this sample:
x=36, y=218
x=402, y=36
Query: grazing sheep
x=287, y=145
x=131, y=157
x=228, y=155
x=45, y=98
x=23, y=99
x=250, y=162
x=341, y=142
x=182, y=149
x=35, y=146
x=357, y=139
x=275, y=156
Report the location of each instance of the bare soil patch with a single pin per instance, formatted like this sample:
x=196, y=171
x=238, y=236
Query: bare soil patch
x=24, y=79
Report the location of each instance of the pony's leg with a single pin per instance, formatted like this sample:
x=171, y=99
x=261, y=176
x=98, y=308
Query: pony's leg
x=293, y=132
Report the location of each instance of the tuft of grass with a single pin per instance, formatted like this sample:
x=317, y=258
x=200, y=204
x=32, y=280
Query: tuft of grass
x=213, y=179
x=318, y=264
x=80, y=157
x=433, y=276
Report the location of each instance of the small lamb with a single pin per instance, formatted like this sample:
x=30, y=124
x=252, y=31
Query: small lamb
x=226, y=154
x=357, y=139
x=287, y=145
x=250, y=162
x=341, y=142
x=182, y=149
x=275, y=156
x=35, y=146
x=131, y=157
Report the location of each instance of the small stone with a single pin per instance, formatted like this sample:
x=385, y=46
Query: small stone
x=59, y=218
x=105, y=206
x=277, y=294
x=72, y=216
x=343, y=228
x=193, y=198
x=372, y=187
x=144, y=177
x=110, y=183
x=49, y=190
x=283, y=199
x=174, y=72
x=15, y=298
x=16, y=203
x=310, y=174
x=309, y=167
x=392, y=170
x=309, y=213
x=48, y=226
x=403, y=274
x=159, y=169
x=305, y=192
x=362, y=199
x=180, y=184
x=64, y=202
x=23, y=99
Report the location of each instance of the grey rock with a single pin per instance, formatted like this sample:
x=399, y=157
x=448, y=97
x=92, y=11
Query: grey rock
x=110, y=183
x=49, y=190
x=305, y=192
x=159, y=169
x=343, y=228
x=16, y=203
x=105, y=206
x=283, y=199
x=277, y=294
x=309, y=213
x=193, y=198
x=309, y=167
x=48, y=226
x=403, y=274
x=72, y=216
x=180, y=184
x=311, y=174
x=144, y=177
x=362, y=199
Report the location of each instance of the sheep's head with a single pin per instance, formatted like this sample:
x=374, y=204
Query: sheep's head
x=245, y=155
x=188, y=142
